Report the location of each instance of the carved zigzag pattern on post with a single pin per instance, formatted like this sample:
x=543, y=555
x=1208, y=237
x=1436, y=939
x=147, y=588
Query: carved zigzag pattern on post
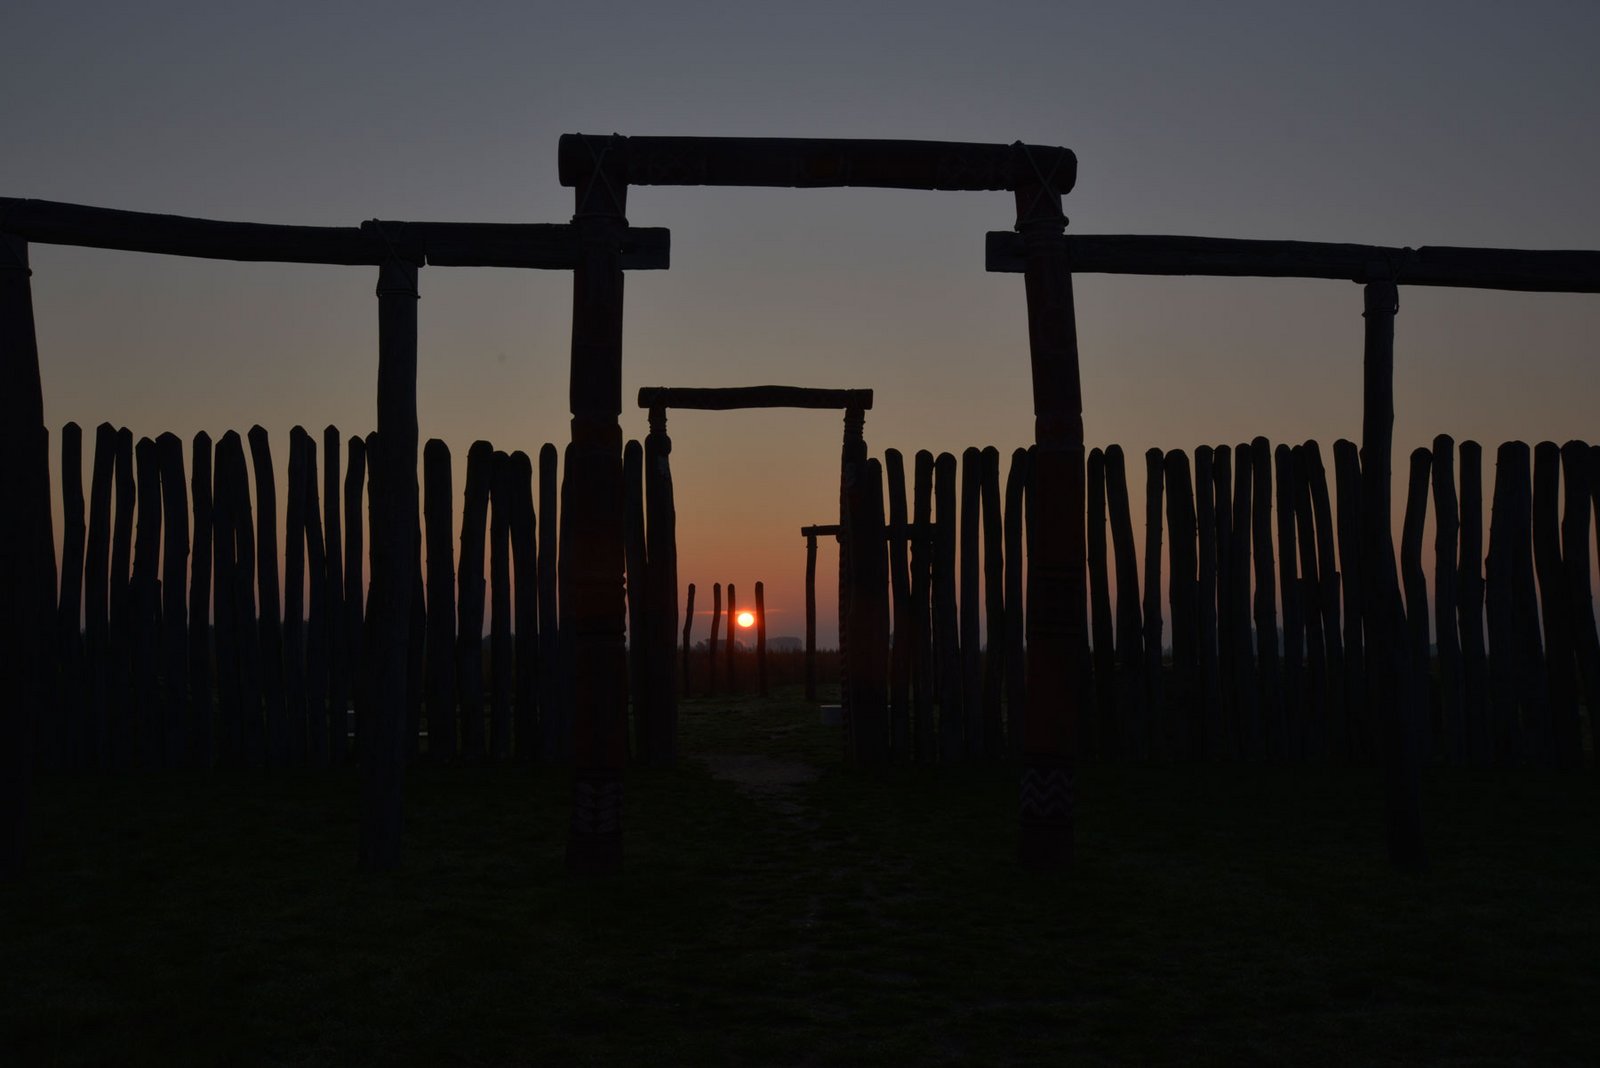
x=597, y=807
x=1046, y=794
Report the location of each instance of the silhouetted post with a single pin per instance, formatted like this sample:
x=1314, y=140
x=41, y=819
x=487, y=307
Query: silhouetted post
x=202, y=714
x=761, y=638
x=1105, y=654
x=1576, y=480
x=1476, y=686
x=1224, y=741
x=1313, y=729
x=174, y=613
x=971, y=647
x=1385, y=617
x=946, y=629
x=65, y=739
x=333, y=598
x=1210, y=693
x=1291, y=720
x=1130, y=624
x=637, y=585
x=355, y=588
x=1416, y=588
x=1247, y=689
x=293, y=743
x=1447, y=638
x=271, y=630
x=1533, y=680
x=247, y=731
x=994, y=595
x=1016, y=651
x=811, y=619
x=1334, y=739
x=96, y=590
x=733, y=642
x=416, y=636
x=924, y=740
x=469, y=622
x=711, y=642
x=661, y=615
x=394, y=565
x=1266, y=605
x=224, y=562
x=555, y=719
x=317, y=629
x=1183, y=562
x=27, y=552
x=900, y=584
x=149, y=731
x=122, y=709
x=1561, y=728
x=869, y=620
x=688, y=631
x=1155, y=718
x=503, y=671
x=440, y=643
x=1358, y=713
x=525, y=593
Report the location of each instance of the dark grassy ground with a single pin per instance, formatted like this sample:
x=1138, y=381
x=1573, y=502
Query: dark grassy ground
x=1219, y=914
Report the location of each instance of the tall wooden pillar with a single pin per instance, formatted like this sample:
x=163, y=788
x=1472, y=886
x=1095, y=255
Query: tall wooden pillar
x=26, y=601
x=592, y=597
x=1398, y=716
x=661, y=616
x=1057, y=625
x=811, y=616
x=394, y=554
x=852, y=461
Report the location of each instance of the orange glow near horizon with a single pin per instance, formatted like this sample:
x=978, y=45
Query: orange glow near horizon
x=747, y=619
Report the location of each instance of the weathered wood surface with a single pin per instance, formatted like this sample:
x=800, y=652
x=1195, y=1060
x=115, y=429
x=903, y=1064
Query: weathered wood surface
x=1477, y=689
x=1558, y=271
x=994, y=659
x=946, y=625
x=869, y=621
x=1210, y=683
x=970, y=606
x=1131, y=707
x=203, y=709
x=1270, y=679
x=723, y=399
x=174, y=609
x=355, y=587
x=469, y=612
x=1016, y=619
x=1560, y=729
x=1577, y=478
x=333, y=597
x=548, y=246
x=900, y=585
x=810, y=163
x=501, y=652
x=146, y=606
x=555, y=721
x=924, y=740
x=1183, y=586
x=1286, y=742
x=1360, y=735
x=636, y=571
x=1333, y=740
x=96, y=590
x=1446, y=632
x=121, y=653
x=1226, y=739
x=525, y=594
x=1154, y=721
x=1103, y=738
x=661, y=616
x=292, y=743
x=440, y=645
x=318, y=741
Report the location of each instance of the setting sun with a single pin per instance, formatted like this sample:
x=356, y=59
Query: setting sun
x=747, y=619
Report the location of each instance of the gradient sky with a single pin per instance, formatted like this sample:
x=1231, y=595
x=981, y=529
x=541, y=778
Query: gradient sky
x=1389, y=123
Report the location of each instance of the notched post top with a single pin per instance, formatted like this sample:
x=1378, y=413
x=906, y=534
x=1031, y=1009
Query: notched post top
x=815, y=163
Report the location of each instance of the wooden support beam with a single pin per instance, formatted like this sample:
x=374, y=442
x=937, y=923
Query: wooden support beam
x=546, y=246
x=1544, y=271
x=730, y=398
x=813, y=163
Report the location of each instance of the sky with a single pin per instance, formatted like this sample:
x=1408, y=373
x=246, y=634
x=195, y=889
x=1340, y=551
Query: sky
x=1386, y=123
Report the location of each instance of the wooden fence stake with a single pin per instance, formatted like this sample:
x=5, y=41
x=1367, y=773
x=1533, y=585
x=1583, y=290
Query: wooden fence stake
x=1016, y=619
x=1100, y=621
x=1182, y=732
x=1290, y=727
x=924, y=741
x=688, y=632
x=900, y=583
x=440, y=643
x=1334, y=740
x=1446, y=635
x=203, y=710
x=469, y=621
x=174, y=609
x=1360, y=732
x=946, y=628
x=555, y=719
x=1131, y=707
x=1266, y=613
x=711, y=642
x=1251, y=740
x=1476, y=686
x=970, y=606
x=636, y=588
x=296, y=745
x=761, y=638
x=333, y=598
x=1155, y=717
x=70, y=737
x=355, y=588
x=661, y=616
x=1577, y=477
x=271, y=628
x=317, y=727
x=503, y=671
x=1210, y=665
x=1560, y=729
x=524, y=532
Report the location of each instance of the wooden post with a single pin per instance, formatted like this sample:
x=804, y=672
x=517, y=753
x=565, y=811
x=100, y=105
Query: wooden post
x=1058, y=628
x=1313, y=732
x=811, y=619
x=1360, y=725
x=1447, y=638
x=503, y=671
x=1266, y=611
x=121, y=709
x=1384, y=614
x=733, y=642
x=852, y=455
x=971, y=609
x=416, y=636
x=68, y=738
x=1225, y=741
x=688, y=631
x=1476, y=685
x=1130, y=623
x=469, y=623
x=946, y=629
x=333, y=598
x=271, y=633
x=202, y=715
x=1105, y=653
x=251, y=726
x=1561, y=728
x=1210, y=695
x=555, y=719
x=711, y=643
x=292, y=747
x=1576, y=481
x=761, y=638
x=394, y=467
x=1292, y=715
x=1016, y=559
x=96, y=590
x=900, y=584
x=524, y=531
x=317, y=730
x=440, y=643
x=638, y=583
x=224, y=624
x=924, y=740
x=1247, y=689
x=1334, y=741
x=661, y=616
x=994, y=658
x=1183, y=563
x=1155, y=718
x=355, y=587
x=869, y=619
x=1505, y=727
x=174, y=614
x=1416, y=588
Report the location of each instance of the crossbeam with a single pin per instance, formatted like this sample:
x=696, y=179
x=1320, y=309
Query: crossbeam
x=547, y=246
x=813, y=163
x=1557, y=271
x=732, y=397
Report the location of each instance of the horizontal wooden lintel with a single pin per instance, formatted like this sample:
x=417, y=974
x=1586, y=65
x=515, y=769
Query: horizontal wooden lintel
x=730, y=398
x=1552, y=271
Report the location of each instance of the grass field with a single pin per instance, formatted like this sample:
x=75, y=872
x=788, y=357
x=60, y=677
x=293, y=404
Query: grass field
x=796, y=911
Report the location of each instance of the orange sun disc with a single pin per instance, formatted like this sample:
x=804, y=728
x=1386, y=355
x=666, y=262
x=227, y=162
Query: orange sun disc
x=747, y=619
